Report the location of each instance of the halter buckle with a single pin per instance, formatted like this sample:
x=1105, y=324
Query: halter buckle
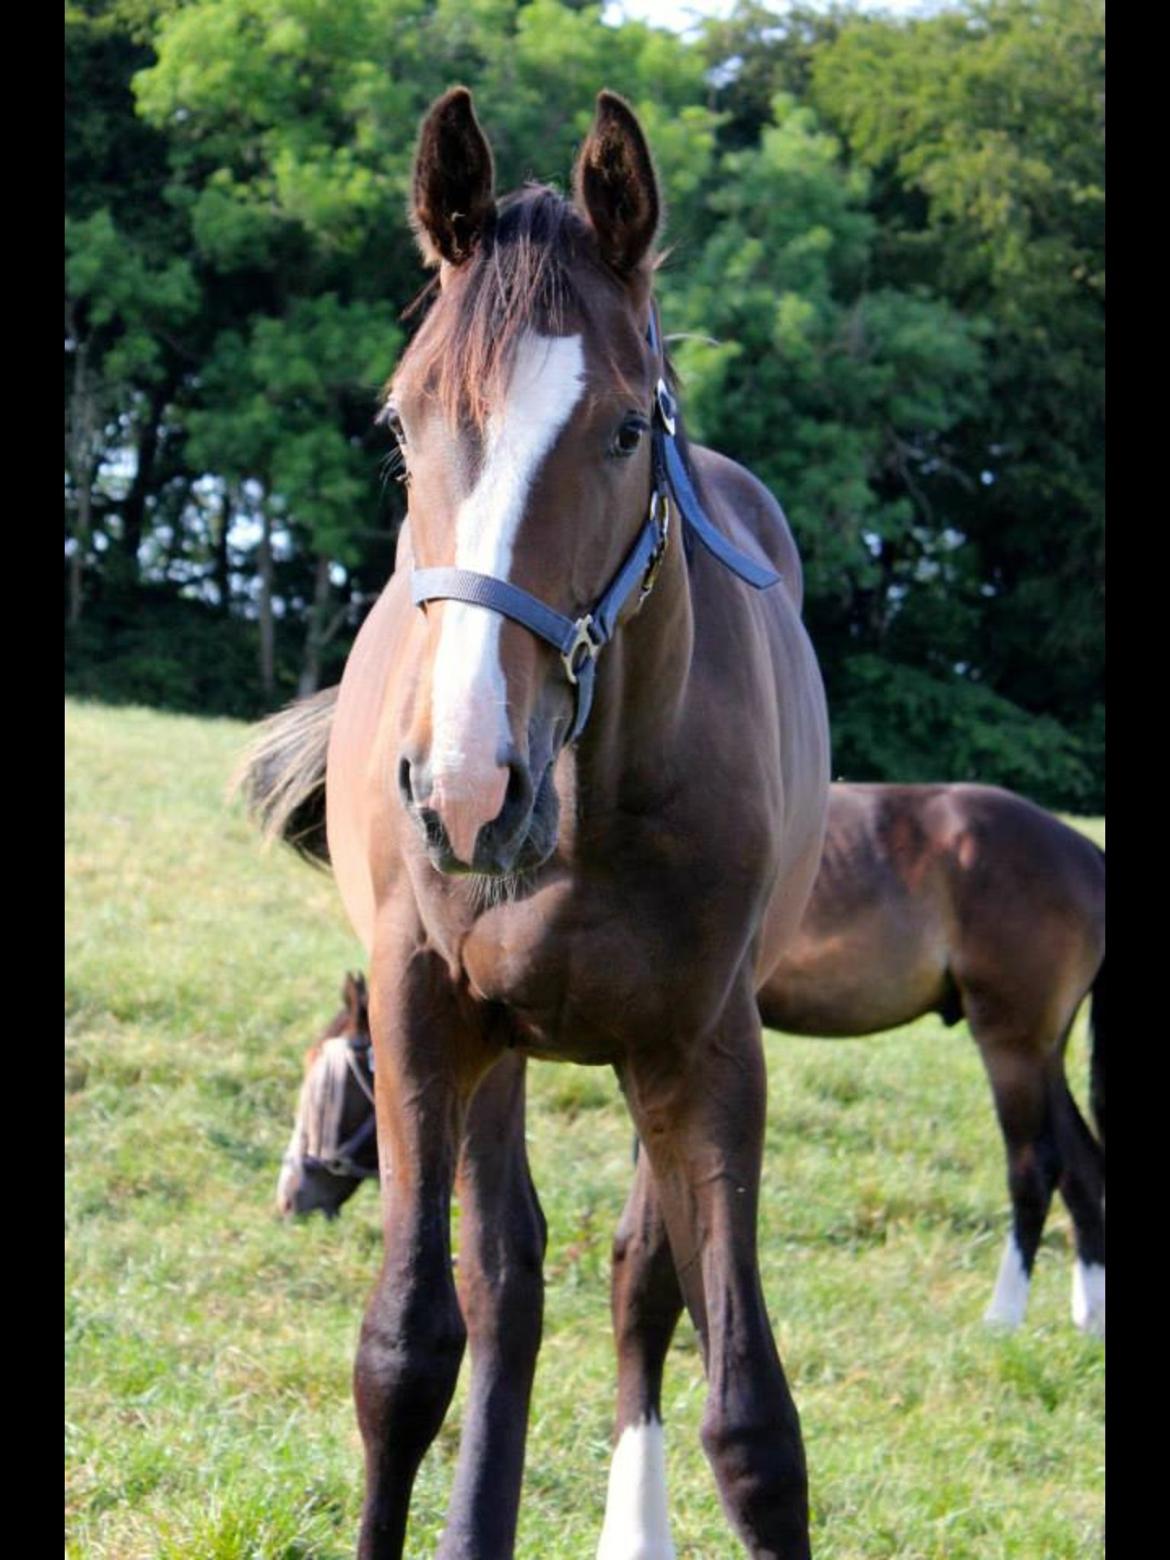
x=666, y=406
x=583, y=639
x=660, y=515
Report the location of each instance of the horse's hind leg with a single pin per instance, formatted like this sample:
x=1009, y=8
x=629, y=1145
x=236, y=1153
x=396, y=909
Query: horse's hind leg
x=429, y=1058
x=501, y=1291
x=647, y=1303
x=700, y=1115
x=1082, y=1185
x=1019, y=1085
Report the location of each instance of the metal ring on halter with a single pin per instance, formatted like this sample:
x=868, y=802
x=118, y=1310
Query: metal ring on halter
x=582, y=640
x=659, y=516
x=666, y=406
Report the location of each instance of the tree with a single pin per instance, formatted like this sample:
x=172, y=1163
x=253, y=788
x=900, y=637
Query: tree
x=992, y=119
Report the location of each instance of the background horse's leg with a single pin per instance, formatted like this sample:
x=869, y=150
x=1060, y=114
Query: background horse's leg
x=502, y=1237
x=1017, y=1067
x=1082, y=1185
x=429, y=1059
x=647, y=1303
x=699, y=1110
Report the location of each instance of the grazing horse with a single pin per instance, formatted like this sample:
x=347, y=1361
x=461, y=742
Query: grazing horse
x=333, y=1147
x=576, y=784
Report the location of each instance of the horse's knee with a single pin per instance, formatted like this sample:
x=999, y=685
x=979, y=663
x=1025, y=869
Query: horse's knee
x=406, y=1368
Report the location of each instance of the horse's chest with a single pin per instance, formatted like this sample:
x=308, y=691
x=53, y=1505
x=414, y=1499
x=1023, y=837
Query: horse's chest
x=598, y=973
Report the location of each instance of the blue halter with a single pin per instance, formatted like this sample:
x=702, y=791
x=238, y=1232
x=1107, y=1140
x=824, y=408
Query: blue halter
x=580, y=641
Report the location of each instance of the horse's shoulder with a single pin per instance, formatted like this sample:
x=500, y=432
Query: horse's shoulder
x=745, y=510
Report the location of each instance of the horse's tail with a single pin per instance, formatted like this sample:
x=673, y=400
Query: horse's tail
x=282, y=775
x=1097, y=1055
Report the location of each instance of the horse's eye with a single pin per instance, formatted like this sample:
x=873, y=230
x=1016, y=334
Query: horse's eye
x=629, y=435
x=391, y=420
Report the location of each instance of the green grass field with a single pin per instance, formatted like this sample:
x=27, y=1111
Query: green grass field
x=210, y=1346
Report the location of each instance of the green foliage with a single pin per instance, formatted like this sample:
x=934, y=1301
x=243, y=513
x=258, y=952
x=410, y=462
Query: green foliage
x=898, y=723
x=993, y=116
x=157, y=649
x=886, y=265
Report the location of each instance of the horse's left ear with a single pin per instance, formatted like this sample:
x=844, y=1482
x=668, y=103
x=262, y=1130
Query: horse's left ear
x=615, y=186
x=452, y=203
x=353, y=993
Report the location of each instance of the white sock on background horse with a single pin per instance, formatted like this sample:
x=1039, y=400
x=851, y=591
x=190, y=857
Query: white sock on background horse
x=637, y=1526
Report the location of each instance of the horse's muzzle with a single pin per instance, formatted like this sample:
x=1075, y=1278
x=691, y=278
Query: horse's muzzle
x=519, y=838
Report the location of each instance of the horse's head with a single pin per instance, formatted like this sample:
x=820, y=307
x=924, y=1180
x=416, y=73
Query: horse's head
x=333, y=1147
x=522, y=408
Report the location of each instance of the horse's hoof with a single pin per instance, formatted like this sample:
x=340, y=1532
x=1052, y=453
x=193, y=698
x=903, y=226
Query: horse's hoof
x=997, y=1321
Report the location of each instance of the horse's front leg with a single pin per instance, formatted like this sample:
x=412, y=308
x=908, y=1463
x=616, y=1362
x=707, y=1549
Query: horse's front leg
x=647, y=1302
x=699, y=1109
x=502, y=1238
x=429, y=1057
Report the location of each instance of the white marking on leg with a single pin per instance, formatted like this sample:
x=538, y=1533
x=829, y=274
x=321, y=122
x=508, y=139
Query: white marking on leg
x=1088, y=1298
x=1010, y=1300
x=636, y=1523
x=469, y=697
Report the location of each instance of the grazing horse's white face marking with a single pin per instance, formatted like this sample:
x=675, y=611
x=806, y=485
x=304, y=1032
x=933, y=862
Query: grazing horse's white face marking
x=636, y=1523
x=1010, y=1300
x=1088, y=1298
x=469, y=697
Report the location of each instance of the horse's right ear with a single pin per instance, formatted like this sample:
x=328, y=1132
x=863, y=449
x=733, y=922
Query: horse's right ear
x=354, y=994
x=452, y=197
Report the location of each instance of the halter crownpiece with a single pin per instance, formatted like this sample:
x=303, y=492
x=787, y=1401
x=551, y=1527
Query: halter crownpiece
x=581, y=640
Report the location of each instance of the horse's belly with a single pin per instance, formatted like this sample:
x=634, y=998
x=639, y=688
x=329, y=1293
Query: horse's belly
x=846, y=985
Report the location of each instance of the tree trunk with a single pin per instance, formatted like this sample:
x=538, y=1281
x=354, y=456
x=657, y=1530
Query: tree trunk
x=134, y=505
x=314, y=639
x=82, y=422
x=221, y=564
x=267, y=624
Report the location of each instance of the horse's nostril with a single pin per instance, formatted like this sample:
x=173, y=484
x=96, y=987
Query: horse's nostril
x=415, y=784
x=518, y=796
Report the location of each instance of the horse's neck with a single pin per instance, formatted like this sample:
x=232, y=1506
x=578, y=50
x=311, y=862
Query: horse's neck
x=626, y=753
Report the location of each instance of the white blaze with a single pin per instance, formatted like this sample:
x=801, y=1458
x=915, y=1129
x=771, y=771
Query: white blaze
x=636, y=1523
x=1010, y=1300
x=469, y=698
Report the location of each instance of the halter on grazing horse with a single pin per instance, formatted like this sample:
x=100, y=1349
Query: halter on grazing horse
x=587, y=847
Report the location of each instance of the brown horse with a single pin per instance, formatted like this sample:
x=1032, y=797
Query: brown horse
x=970, y=902
x=333, y=1147
x=576, y=786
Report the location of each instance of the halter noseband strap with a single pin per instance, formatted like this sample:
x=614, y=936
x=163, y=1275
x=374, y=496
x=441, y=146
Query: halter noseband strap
x=580, y=641
x=341, y=1161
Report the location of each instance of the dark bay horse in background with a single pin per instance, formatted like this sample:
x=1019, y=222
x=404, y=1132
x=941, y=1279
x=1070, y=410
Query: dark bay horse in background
x=576, y=785
x=969, y=902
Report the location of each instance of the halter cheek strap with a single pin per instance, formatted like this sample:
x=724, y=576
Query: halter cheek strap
x=580, y=641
